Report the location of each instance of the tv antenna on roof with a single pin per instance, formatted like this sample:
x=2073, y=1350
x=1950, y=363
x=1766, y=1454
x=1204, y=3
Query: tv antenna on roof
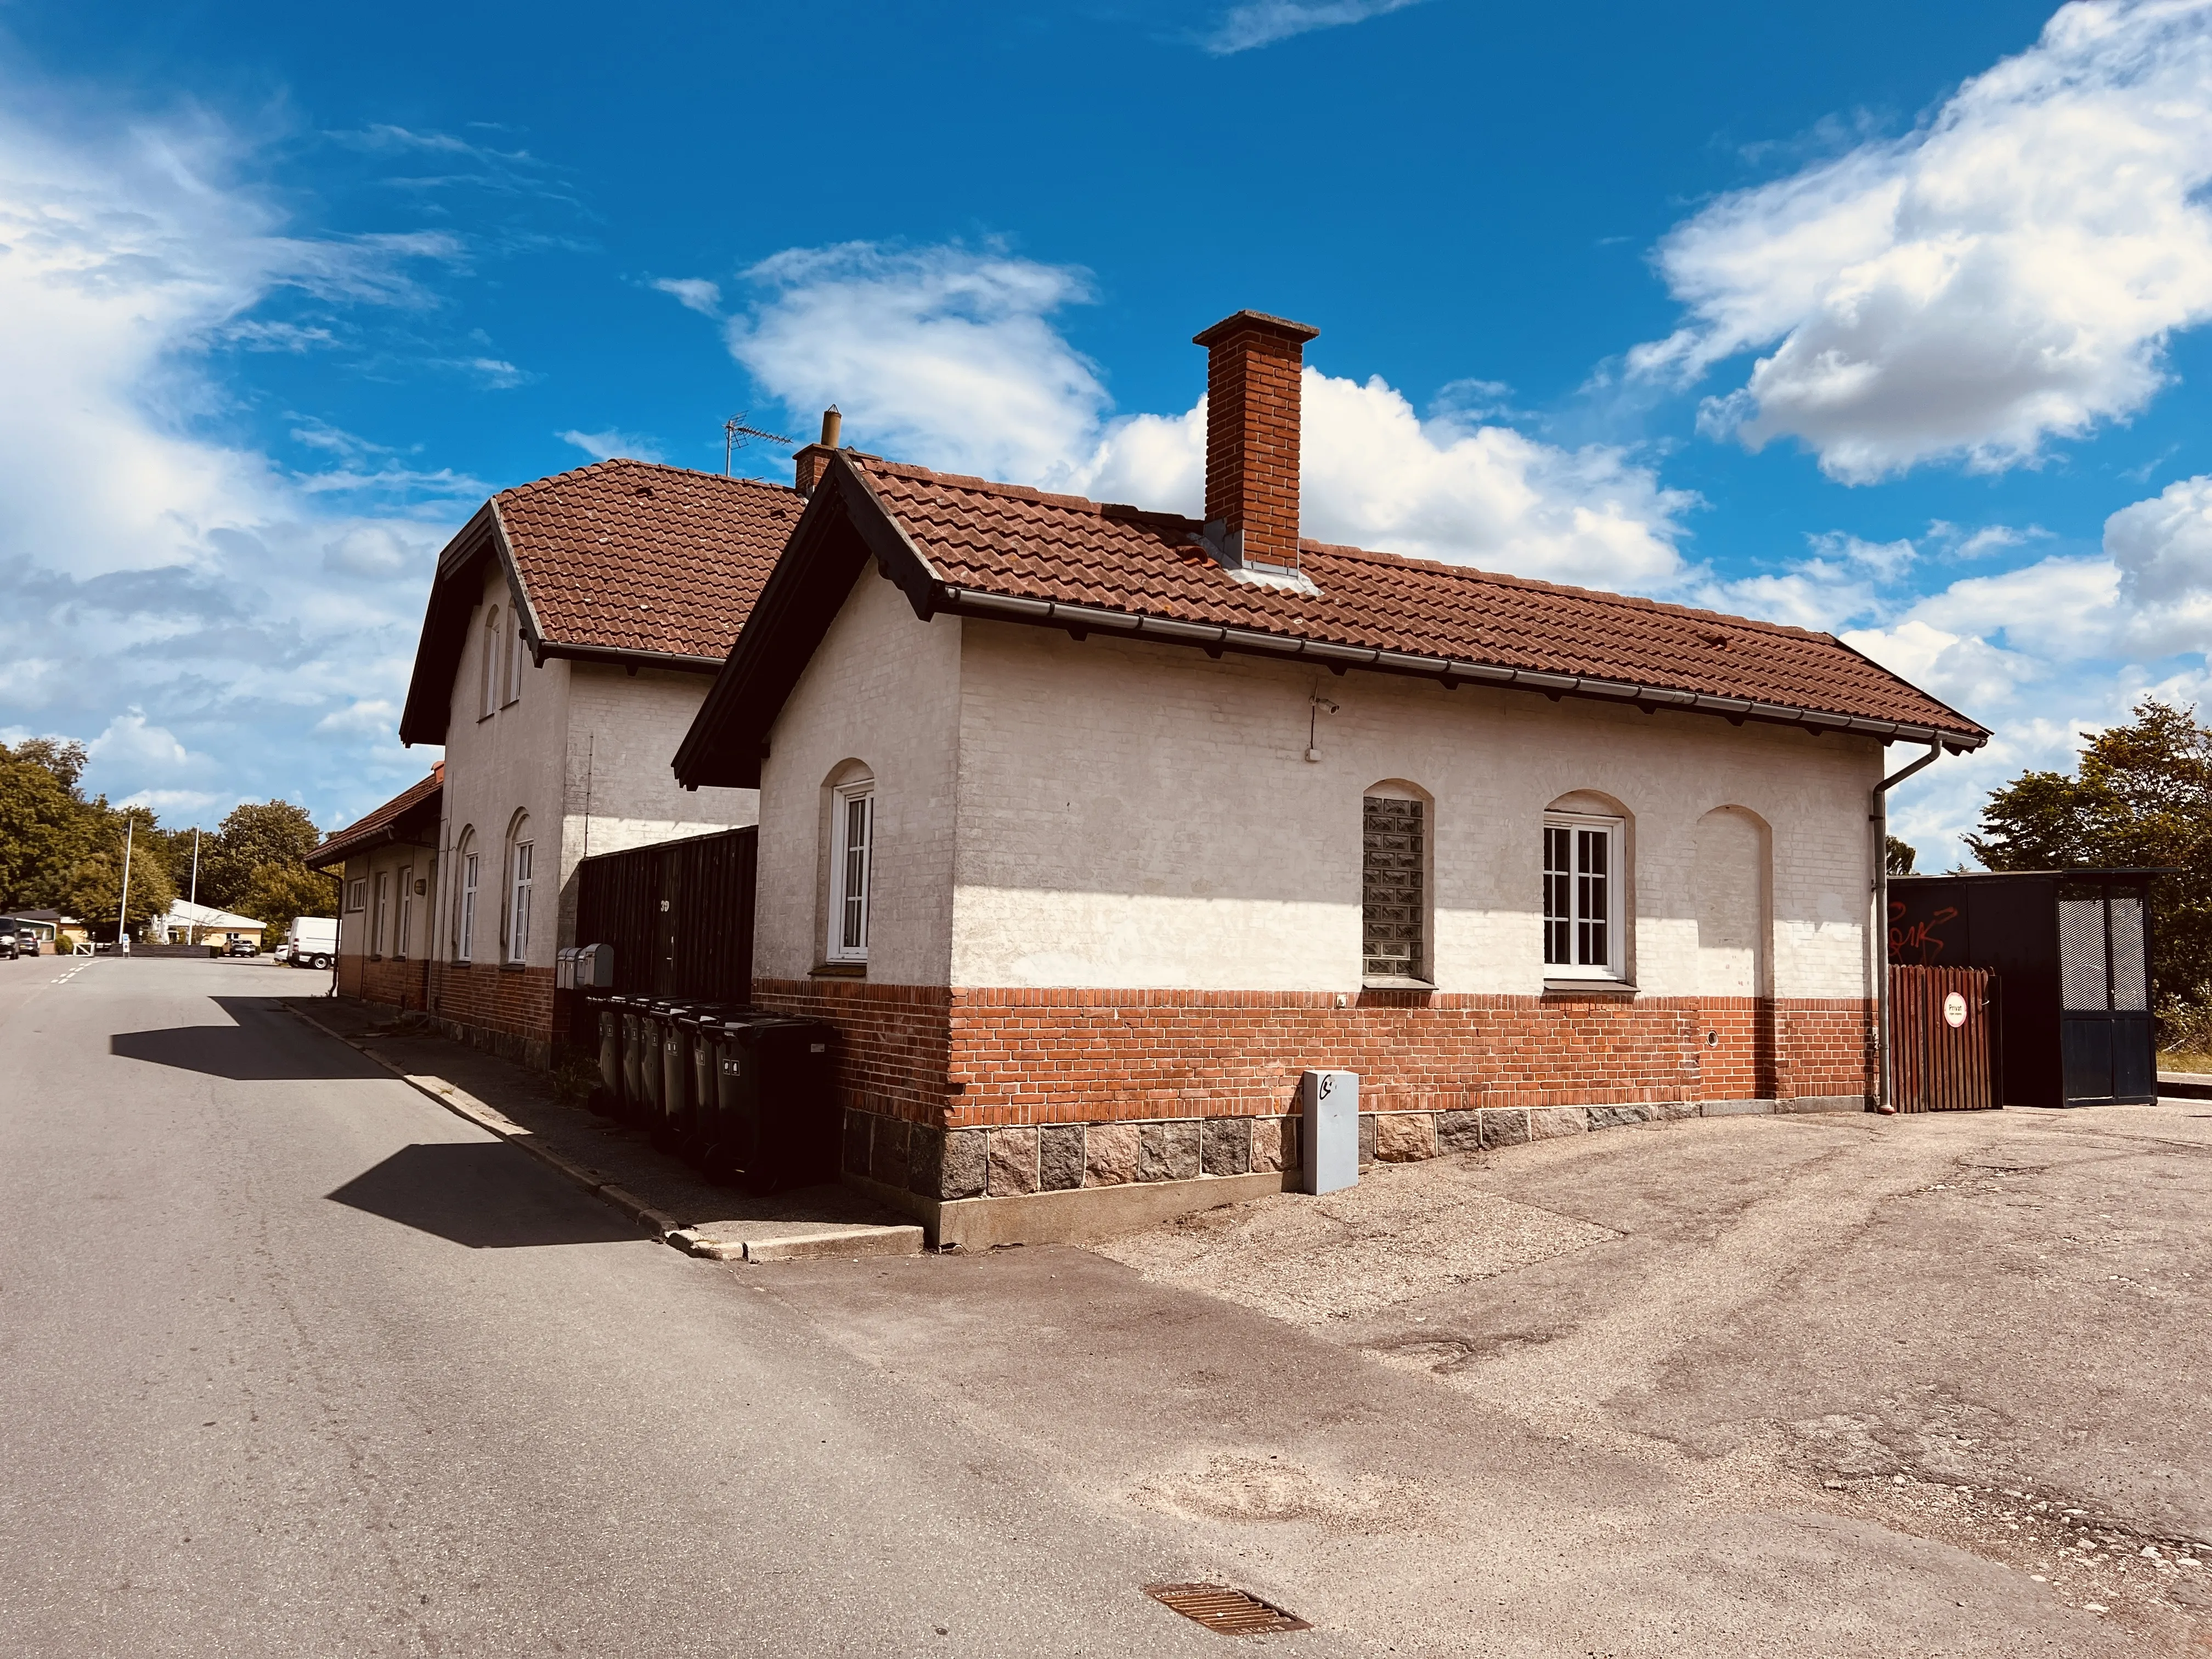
x=735, y=431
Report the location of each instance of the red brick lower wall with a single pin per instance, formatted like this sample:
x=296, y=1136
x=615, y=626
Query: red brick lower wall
x=508, y=1010
x=393, y=981
x=896, y=1040
x=967, y=1058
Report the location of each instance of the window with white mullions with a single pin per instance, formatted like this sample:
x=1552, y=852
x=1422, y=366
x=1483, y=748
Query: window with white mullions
x=1582, y=895
x=518, y=907
x=464, y=947
x=852, y=856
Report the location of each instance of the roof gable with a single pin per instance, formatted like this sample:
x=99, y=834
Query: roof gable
x=1001, y=551
x=414, y=811
x=622, y=561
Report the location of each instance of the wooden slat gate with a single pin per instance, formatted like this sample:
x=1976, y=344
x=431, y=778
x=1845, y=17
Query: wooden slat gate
x=679, y=914
x=1943, y=1041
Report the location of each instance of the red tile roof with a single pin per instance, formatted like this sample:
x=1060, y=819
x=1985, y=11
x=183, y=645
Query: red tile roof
x=1027, y=545
x=621, y=561
x=629, y=555
x=418, y=801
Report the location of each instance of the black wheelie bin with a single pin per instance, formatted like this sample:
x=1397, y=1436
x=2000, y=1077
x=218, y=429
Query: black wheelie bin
x=606, y=1017
x=667, y=1128
x=774, y=1123
x=693, y=1112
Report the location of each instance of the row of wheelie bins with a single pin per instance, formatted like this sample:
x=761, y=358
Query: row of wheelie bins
x=746, y=1095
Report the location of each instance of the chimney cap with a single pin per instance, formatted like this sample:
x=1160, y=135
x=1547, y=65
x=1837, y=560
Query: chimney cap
x=1238, y=322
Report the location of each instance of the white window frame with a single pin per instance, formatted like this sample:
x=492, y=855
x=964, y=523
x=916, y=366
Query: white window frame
x=405, y=929
x=848, y=865
x=382, y=915
x=515, y=659
x=491, y=643
x=1615, y=965
x=518, y=911
x=356, y=893
x=465, y=949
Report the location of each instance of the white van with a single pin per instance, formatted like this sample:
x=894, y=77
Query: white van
x=312, y=942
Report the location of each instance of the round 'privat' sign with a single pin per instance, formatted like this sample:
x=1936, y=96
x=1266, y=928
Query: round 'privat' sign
x=1954, y=1011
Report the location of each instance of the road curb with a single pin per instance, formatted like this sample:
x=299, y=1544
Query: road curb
x=493, y=1121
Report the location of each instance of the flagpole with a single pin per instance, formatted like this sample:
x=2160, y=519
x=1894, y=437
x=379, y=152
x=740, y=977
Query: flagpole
x=123, y=910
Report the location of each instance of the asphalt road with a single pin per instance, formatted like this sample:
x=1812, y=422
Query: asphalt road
x=292, y=1361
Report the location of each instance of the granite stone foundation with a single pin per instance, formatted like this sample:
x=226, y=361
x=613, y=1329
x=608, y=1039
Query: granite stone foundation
x=1196, y=1163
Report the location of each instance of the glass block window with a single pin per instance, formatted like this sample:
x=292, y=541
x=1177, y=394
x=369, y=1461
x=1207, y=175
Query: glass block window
x=1392, y=906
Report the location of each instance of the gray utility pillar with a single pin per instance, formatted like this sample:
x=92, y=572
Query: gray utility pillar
x=1330, y=1103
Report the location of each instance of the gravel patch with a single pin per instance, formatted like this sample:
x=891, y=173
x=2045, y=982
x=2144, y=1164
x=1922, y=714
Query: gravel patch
x=1401, y=1234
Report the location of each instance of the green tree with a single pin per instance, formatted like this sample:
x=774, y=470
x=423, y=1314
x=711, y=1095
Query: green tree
x=45, y=829
x=2141, y=796
x=1900, y=855
x=65, y=758
x=280, y=892
x=255, y=835
x=93, y=889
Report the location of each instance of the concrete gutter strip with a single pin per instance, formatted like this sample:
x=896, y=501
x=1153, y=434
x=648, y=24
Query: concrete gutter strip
x=2185, y=1085
x=801, y=1246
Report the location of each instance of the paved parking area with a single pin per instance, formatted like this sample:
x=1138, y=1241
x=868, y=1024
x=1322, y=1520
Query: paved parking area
x=1831, y=1384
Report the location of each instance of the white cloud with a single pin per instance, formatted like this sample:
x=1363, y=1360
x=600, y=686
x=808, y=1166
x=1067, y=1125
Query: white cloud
x=1263, y=22
x=607, y=445
x=948, y=357
x=937, y=352
x=2008, y=274
x=2039, y=653
x=130, y=744
x=694, y=293
x=157, y=568
x=2163, y=550
x=498, y=373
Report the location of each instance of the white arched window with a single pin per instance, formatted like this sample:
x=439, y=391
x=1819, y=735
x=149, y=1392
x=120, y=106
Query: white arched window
x=465, y=915
x=1585, y=888
x=517, y=655
x=852, y=866
x=521, y=856
x=490, y=664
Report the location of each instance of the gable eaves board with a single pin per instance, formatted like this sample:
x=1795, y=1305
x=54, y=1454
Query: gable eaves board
x=828, y=549
x=428, y=707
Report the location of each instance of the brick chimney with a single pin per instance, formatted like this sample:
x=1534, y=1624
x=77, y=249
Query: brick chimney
x=813, y=461
x=1252, y=366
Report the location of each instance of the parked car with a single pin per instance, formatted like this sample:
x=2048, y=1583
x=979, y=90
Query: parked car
x=11, y=946
x=282, y=953
x=26, y=941
x=243, y=947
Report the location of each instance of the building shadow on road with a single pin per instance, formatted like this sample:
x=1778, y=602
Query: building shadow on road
x=485, y=1195
x=262, y=1044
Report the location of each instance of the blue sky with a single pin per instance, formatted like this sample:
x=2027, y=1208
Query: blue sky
x=1885, y=320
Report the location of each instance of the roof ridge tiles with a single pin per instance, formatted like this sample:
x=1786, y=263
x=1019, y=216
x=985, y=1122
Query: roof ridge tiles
x=1124, y=513
x=615, y=463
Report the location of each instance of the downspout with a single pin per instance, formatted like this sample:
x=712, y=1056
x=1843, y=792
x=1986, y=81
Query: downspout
x=1878, y=817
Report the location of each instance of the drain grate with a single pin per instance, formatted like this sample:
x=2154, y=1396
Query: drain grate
x=1219, y=1607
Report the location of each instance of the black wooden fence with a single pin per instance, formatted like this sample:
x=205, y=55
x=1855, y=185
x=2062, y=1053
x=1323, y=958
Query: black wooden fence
x=679, y=915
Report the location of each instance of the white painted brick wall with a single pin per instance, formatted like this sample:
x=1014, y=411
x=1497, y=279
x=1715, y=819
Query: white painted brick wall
x=1136, y=815
x=581, y=735
x=883, y=689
